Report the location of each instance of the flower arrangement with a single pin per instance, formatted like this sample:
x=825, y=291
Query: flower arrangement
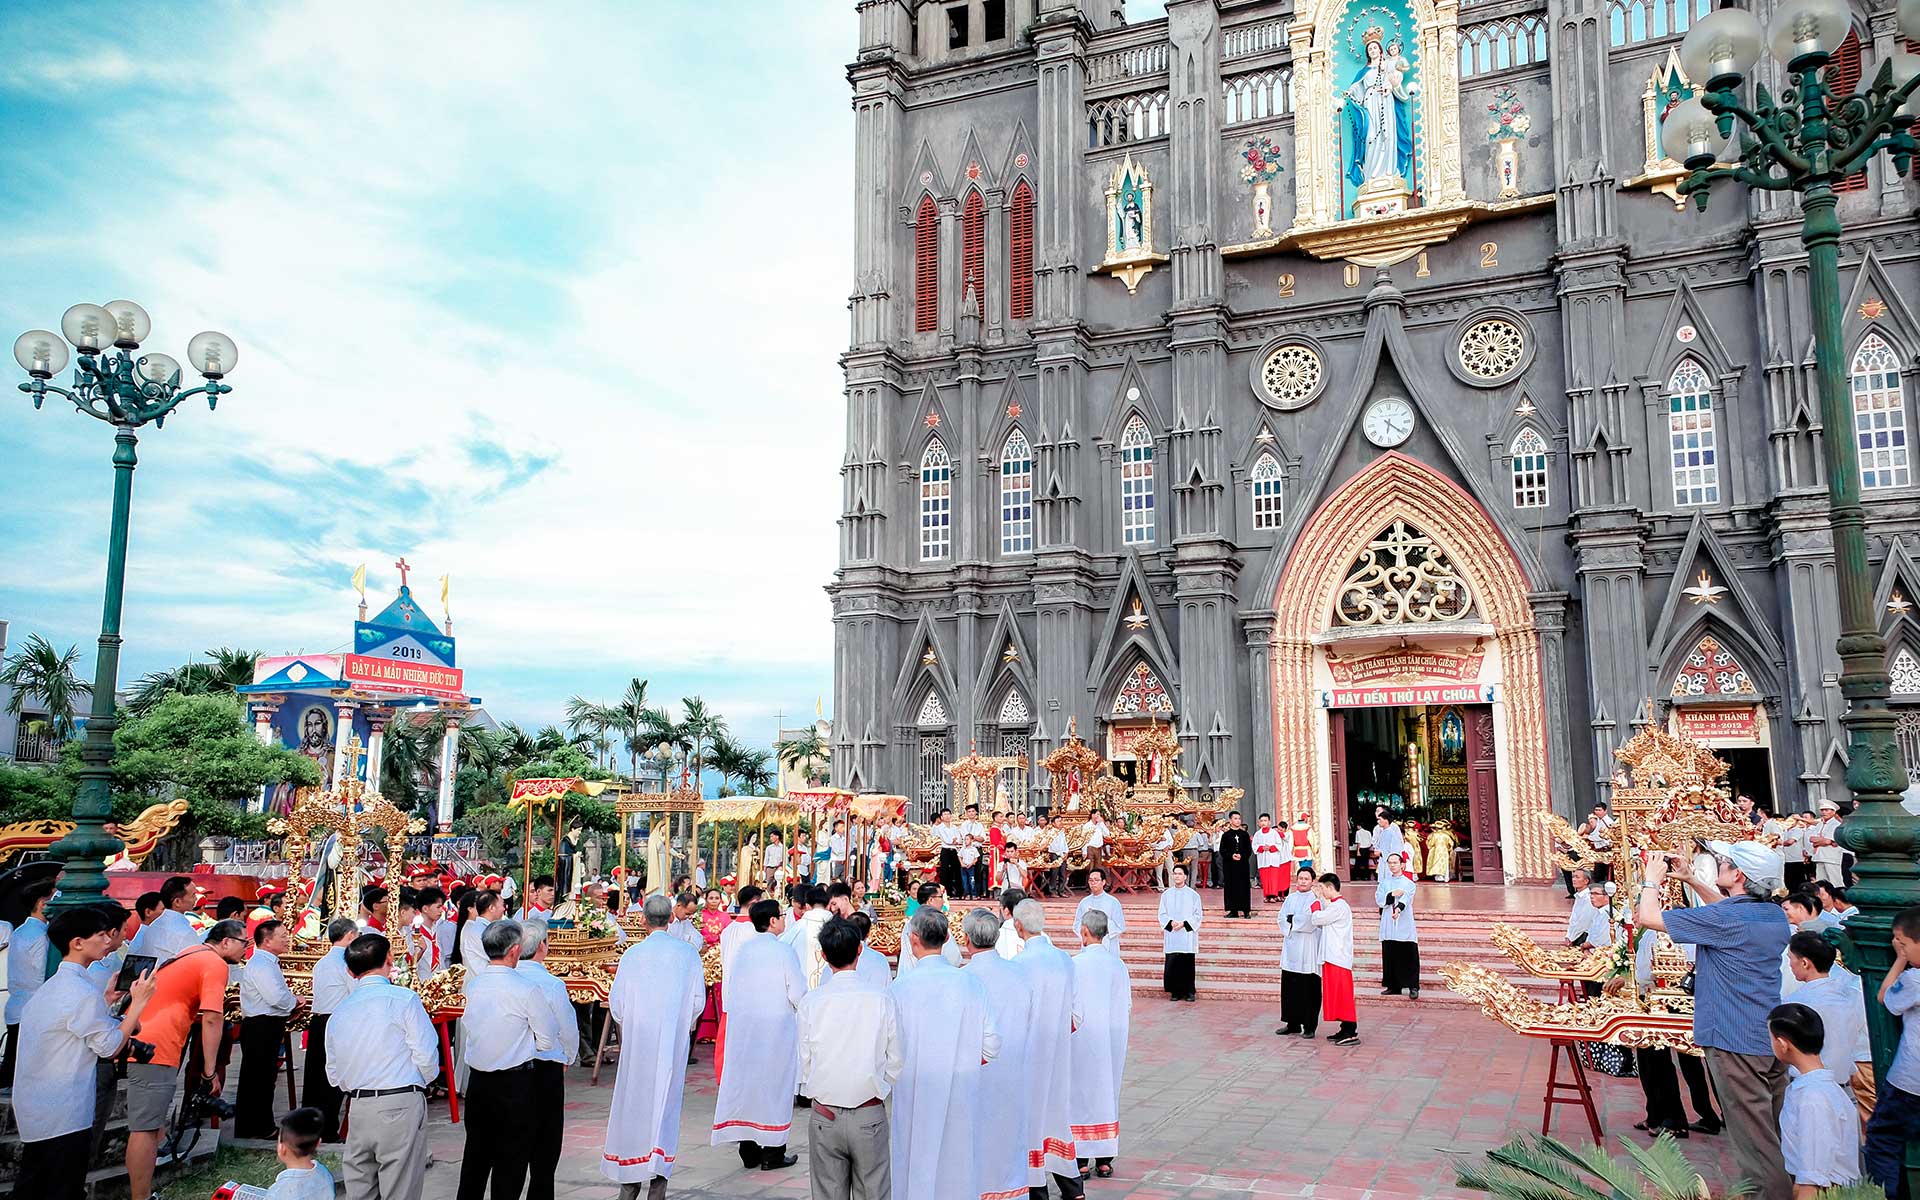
x=1262, y=160
x=597, y=921
x=1510, y=119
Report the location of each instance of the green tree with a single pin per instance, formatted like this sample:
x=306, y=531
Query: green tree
x=737, y=761
x=27, y=794
x=221, y=673
x=696, y=732
x=595, y=720
x=44, y=672
x=1543, y=1168
x=805, y=752
x=199, y=748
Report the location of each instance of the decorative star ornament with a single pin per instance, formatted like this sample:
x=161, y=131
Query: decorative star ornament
x=1704, y=590
x=1525, y=408
x=1898, y=604
x=1873, y=309
x=933, y=420
x=1264, y=436
x=1138, y=619
x=1013, y=411
x=929, y=658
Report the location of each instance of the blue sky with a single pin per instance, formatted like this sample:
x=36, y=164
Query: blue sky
x=547, y=298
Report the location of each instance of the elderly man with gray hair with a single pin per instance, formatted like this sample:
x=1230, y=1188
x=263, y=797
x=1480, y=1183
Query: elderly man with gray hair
x=1056, y=1011
x=658, y=989
x=1099, y=1044
x=946, y=1038
x=1738, y=934
x=549, y=1065
x=507, y=1022
x=1000, y=1136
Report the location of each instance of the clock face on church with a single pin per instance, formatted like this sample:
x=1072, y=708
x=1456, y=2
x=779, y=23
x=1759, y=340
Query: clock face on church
x=1388, y=422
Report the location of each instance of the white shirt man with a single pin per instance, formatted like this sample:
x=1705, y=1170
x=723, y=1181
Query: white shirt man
x=755, y=1104
x=1592, y=916
x=1387, y=841
x=26, y=966
x=1099, y=1049
x=849, y=1043
x=1056, y=1010
x=1010, y=943
x=804, y=937
x=1824, y=846
x=946, y=1036
x=1101, y=901
x=382, y=1053
x=1299, y=958
x=169, y=936
x=64, y=1033
x=332, y=984
x=263, y=987
x=658, y=990
x=837, y=855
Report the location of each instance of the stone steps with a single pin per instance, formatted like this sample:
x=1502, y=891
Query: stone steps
x=109, y=1173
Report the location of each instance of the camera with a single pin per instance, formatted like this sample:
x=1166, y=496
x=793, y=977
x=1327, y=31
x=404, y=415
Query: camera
x=139, y=1051
x=203, y=1104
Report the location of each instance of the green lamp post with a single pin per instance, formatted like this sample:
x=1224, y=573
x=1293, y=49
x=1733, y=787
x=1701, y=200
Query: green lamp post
x=1805, y=141
x=114, y=383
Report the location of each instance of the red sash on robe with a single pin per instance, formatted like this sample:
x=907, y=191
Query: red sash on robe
x=1336, y=994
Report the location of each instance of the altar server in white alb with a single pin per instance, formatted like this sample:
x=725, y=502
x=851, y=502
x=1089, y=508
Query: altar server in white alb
x=1299, y=959
x=1399, y=937
x=1056, y=1011
x=946, y=1037
x=755, y=1105
x=1000, y=1139
x=1099, y=899
x=1334, y=919
x=1179, y=920
x=658, y=989
x=1271, y=859
x=1099, y=1049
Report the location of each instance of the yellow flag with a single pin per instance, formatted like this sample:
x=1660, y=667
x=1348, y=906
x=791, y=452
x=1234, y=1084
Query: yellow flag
x=444, y=579
x=818, y=701
x=360, y=580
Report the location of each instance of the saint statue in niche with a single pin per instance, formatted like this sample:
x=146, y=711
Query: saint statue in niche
x=1379, y=123
x=1131, y=237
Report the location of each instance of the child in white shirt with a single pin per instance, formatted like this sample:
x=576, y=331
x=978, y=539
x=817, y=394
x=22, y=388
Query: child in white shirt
x=304, y=1178
x=1819, y=1129
x=1896, y=1117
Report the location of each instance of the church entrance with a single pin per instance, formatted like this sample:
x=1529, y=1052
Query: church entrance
x=1433, y=766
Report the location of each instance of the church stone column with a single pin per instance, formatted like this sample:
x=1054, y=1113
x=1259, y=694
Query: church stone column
x=343, y=711
x=263, y=713
x=377, y=720
x=1550, y=621
x=1060, y=44
x=1257, y=625
x=449, y=766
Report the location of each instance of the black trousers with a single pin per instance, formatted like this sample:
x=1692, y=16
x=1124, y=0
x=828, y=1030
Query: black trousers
x=260, y=1039
x=315, y=1090
x=548, y=1121
x=499, y=1133
x=1070, y=1188
x=1662, y=1088
x=1177, y=977
x=1300, y=999
x=7, y=1060
x=950, y=871
x=55, y=1169
x=1400, y=966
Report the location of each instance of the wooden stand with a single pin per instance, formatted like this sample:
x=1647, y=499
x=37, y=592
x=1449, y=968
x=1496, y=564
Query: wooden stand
x=1578, y=1091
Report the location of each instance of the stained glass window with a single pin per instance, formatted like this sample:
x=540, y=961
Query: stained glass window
x=1266, y=492
x=1529, y=453
x=1142, y=695
x=1690, y=433
x=1136, y=484
x=936, y=502
x=1016, y=495
x=1880, y=415
x=1712, y=670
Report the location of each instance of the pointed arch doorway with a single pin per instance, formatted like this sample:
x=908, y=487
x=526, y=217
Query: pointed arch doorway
x=1402, y=615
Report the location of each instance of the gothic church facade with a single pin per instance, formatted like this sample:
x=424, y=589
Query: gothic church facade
x=1341, y=383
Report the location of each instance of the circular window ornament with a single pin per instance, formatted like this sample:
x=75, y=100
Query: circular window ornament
x=1290, y=376
x=1490, y=348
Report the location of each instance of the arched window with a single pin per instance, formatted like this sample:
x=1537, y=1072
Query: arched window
x=1136, y=484
x=973, y=248
x=1266, y=492
x=1020, y=253
x=936, y=502
x=1690, y=435
x=1141, y=694
x=1016, y=495
x=1529, y=453
x=1880, y=415
x=1013, y=709
x=933, y=710
x=926, y=267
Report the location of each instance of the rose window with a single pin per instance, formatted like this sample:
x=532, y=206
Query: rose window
x=1290, y=376
x=1492, y=349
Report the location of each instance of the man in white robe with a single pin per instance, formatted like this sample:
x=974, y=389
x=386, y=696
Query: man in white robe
x=1099, y=899
x=1299, y=959
x=946, y=1036
x=804, y=937
x=1000, y=1135
x=1099, y=1048
x=755, y=1104
x=1010, y=943
x=658, y=990
x=1056, y=1010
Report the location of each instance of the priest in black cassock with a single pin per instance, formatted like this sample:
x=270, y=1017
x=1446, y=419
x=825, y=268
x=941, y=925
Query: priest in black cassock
x=1233, y=860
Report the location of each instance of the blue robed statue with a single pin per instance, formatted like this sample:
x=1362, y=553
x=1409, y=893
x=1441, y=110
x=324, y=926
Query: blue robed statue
x=1379, y=123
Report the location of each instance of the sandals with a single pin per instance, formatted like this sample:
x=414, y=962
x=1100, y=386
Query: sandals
x=1104, y=1170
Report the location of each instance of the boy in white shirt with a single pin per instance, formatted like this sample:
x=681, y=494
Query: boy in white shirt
x=1896, y=1115
x=1819, y=1129
x=305, y=1178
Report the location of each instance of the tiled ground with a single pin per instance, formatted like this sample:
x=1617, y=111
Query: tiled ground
x=1217, y=1106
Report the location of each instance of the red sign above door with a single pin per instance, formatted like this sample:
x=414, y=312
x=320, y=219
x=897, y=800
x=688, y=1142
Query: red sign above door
x=1397, y=697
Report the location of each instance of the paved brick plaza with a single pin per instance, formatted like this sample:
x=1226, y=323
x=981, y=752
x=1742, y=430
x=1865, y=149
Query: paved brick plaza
x=1217, y=1106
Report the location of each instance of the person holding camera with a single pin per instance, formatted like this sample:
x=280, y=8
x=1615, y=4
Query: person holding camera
x=65, y=1031
x=191, y=985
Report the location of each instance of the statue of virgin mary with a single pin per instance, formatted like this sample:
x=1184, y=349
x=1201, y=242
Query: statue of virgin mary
x=1379, y=125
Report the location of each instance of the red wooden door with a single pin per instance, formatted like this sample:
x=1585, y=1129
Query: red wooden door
x=1483, y=796
x=1336, y=857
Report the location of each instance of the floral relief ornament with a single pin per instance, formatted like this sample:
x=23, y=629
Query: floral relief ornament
x=1260, y=166
x=1510, y=124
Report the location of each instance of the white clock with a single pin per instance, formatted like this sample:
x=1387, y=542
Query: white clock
x=1388, y=422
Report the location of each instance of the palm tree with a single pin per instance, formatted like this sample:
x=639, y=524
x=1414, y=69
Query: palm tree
x=40, y=670
x=223, y=671
x=634, y=719
x=516, y=747
x=697, y=731
x=736, y=760
x=804, y=752
x=593, y=719
x=1542, y=1168
x=410, y=759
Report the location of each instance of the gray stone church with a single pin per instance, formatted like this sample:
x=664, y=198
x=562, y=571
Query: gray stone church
x=1342, y=383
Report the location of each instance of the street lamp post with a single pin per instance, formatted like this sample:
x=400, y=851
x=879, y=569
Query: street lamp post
x=126, y=390
x=1805, y=141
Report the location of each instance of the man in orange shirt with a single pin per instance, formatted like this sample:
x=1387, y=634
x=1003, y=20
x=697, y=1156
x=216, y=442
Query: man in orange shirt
x=189, y=985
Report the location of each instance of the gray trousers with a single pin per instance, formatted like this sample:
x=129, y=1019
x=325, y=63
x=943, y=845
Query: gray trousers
x=653, y=1189
x=849, y=1156
x=1750, y=1088
x=386, y=1154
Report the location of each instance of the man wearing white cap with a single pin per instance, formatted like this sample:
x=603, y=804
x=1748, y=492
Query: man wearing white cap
x=1823, y=842
x=1736, y=977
